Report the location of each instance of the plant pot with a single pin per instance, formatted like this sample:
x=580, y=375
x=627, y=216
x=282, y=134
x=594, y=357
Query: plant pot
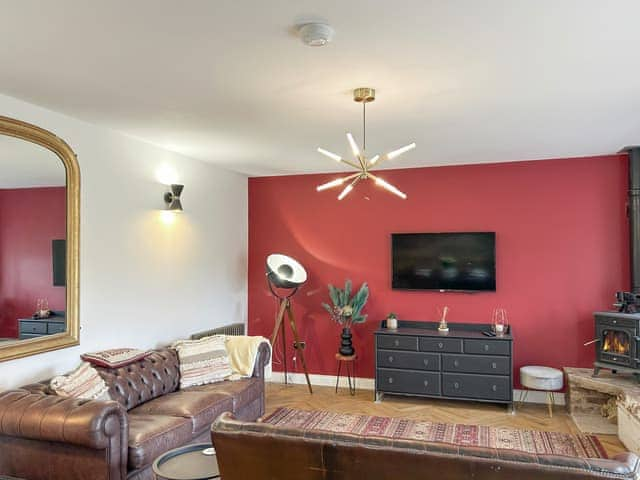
x=346, y=346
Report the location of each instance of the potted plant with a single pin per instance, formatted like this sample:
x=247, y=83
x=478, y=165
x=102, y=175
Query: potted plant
x=347, y=311
x=392, y=321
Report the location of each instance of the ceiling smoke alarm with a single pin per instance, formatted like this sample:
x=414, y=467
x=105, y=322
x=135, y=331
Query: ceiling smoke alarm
x=316, y=34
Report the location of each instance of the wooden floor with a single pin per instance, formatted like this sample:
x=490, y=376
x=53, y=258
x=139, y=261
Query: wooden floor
x=529, y=416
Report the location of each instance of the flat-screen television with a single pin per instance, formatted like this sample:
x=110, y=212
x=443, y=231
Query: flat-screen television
x=463, y=261
x=59, y=256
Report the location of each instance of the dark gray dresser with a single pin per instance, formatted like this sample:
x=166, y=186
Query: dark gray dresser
x=37, y=327
x=463, y=364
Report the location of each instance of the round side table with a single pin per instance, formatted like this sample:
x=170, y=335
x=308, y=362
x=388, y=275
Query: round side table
x=350, y=366
x=187, y=463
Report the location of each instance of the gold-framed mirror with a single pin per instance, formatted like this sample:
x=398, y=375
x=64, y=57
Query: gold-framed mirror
x=39, y=241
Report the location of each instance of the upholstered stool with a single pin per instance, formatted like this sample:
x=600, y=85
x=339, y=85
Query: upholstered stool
x=545, y=379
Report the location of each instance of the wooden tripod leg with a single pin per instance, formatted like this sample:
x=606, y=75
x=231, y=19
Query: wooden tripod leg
x=279, y=326
x=292, y=322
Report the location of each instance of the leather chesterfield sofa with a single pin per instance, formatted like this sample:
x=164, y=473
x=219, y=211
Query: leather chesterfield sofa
x=47, y=437
x=254, y=450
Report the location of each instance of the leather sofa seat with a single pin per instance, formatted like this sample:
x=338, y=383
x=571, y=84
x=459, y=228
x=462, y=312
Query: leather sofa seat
x=242, y=392
x=152, y=435
x=201, y=408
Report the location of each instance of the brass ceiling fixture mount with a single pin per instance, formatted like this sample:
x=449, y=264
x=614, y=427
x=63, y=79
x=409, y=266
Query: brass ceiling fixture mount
x=363, y=95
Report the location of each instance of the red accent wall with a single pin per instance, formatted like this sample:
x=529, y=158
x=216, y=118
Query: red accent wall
x=561, y=246
x=29, y=219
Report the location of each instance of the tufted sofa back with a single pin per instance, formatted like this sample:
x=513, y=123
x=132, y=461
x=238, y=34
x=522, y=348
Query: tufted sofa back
x=144, y=380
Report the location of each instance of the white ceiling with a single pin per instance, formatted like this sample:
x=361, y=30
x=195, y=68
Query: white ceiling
x=227, y=81
x=24, y=164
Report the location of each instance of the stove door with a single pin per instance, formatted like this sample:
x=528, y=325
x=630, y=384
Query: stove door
x=617, y=345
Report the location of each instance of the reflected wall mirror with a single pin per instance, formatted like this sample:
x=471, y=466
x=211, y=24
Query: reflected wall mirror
x=39, y=244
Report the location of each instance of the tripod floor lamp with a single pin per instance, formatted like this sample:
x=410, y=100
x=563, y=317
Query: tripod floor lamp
x=285, y=273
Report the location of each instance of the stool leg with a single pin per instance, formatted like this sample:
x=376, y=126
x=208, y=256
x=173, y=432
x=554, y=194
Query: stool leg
x=349, y=375
x=523, y=397
x=550, y=403
x=338, y=375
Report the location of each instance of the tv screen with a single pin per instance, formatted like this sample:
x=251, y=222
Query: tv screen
x=444, y=261
x=59, y=256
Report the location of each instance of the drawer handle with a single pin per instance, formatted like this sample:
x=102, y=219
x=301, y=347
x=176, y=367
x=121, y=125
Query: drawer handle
x=397, y=343
x=456, y=363
x=494, y=388
x=456, y=385
x=425, y=361
x=426, y=383
x=440, y=345
x=390, y=379
x=486, y=347
x=390, y=358
x=494, y=365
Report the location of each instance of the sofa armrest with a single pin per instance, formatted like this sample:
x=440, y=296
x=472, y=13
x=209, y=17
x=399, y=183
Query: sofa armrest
x=87, y=423
x=262, y=360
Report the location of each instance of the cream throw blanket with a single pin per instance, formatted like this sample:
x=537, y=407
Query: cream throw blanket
x=243, y=352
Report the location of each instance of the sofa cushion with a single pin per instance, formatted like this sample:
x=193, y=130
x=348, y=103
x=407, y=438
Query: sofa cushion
x=242, y=391
x=152, y=435
x=201, y=408
x=83, y=382
x=202, y=361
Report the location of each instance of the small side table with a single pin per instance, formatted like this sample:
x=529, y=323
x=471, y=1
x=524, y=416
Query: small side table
x=350, y=366
x=187, y=463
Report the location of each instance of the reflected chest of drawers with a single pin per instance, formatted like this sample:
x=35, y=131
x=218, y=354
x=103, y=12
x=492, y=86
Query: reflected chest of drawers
x=415, y=359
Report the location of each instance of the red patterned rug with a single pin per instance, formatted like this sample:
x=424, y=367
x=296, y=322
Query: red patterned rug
x=531, y=441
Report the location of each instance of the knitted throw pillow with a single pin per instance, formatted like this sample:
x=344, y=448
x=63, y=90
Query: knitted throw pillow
x=83, y=382
x=202, y=361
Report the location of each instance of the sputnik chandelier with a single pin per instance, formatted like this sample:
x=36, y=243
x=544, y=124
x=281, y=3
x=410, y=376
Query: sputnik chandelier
x=364, y=165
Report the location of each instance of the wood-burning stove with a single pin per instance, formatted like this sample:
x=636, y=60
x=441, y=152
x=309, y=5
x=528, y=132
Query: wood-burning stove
x=616, y=337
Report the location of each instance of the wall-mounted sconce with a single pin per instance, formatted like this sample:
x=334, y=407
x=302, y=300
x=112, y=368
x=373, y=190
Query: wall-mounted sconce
x=172, y=198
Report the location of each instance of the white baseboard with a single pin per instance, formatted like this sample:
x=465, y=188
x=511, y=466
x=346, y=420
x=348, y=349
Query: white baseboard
x=533, y=396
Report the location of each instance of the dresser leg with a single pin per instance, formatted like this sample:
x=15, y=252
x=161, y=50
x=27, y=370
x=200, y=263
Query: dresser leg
x=378, y=396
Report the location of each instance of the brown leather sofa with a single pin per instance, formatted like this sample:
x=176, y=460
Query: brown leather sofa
x=44, y=436
x=260, y=451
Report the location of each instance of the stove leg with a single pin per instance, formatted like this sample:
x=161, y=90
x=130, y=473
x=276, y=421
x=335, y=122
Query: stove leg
x=596, y=371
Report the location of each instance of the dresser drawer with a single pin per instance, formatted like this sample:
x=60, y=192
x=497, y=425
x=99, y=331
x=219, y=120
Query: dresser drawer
x=476, y=364
x=450, y=345
x=409, y=360
x=56, y=327
x=398, y=381
x=398, y=342
x=487, y=347
x=27, y=336
x=33, y=327
x=483, y=387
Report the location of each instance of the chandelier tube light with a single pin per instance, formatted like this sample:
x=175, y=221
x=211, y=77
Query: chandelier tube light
x=364, y=164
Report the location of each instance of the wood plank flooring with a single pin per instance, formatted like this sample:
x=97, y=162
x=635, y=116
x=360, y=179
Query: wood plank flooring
x=529, y=416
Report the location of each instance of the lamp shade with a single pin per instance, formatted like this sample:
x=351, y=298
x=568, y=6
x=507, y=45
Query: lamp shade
x=284, y=271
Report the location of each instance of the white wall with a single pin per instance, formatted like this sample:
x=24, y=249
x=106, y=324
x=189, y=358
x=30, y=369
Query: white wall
x=144, y=283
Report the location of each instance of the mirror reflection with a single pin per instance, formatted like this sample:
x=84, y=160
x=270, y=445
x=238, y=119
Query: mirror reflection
x=32, y=241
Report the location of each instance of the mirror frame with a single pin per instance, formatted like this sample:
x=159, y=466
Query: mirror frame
x=31, y=133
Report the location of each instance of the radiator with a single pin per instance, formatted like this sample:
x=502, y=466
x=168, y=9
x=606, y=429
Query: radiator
x=233, y=329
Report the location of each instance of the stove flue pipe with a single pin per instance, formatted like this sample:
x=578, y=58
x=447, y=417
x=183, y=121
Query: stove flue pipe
x=633, y=213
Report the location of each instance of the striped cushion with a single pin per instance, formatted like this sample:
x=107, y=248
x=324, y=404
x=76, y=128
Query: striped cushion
x=202, y=361
x=83, y=382
x=115, y=358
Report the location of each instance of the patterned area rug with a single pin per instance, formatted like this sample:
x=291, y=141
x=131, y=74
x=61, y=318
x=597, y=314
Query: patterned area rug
x=530, y=441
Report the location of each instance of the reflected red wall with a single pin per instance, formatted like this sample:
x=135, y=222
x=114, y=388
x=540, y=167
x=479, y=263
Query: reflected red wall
x=561, y=245
x=29, y=219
